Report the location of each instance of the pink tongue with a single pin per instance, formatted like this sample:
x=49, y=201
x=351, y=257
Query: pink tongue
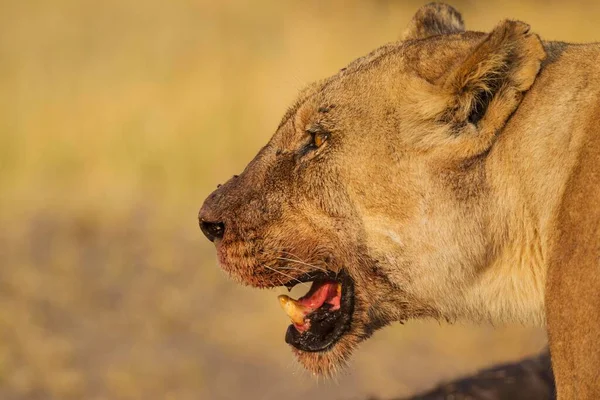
x=319, y=294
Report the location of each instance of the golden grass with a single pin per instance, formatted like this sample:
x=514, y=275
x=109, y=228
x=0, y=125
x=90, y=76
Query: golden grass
x=116, y=119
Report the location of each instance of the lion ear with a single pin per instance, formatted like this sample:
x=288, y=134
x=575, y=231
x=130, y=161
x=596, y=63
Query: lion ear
x=434, y=19
x=486, y=87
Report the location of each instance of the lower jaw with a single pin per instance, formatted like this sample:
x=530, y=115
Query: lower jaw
x=328, y=362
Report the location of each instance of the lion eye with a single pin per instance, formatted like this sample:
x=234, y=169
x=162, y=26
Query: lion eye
x=319, y=138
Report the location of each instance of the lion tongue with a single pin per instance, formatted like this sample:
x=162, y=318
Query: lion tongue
x=319, y=294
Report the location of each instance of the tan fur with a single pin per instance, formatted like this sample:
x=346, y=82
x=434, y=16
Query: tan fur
x=434, y=19
x=459, y=180
x=573, y=298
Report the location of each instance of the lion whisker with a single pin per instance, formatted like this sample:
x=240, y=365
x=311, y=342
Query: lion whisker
x=286, y=275
x=293, y=268
x=297, y=261
x=302, y=263
x=289, y=253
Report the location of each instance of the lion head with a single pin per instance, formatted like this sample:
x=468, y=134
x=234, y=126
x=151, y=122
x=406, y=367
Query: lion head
x=374, y=185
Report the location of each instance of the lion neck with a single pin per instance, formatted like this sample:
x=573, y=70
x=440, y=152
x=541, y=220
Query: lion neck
x=511, y=288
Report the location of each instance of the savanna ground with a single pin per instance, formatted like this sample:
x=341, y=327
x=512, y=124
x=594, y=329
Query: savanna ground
x=117, y=118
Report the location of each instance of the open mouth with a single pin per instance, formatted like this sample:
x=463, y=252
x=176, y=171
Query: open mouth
x=323, y=315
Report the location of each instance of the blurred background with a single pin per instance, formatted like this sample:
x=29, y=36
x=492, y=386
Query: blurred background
x=117, y=118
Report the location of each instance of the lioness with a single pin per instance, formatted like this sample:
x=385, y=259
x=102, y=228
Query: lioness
x=449, y=175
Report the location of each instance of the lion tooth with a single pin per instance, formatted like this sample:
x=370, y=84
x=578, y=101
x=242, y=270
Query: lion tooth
x=293, y=309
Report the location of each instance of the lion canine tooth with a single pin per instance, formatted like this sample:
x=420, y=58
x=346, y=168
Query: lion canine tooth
x=293, y=309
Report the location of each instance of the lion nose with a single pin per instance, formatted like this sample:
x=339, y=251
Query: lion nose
x=213, y=215
x=210, y=218
x=212, y=230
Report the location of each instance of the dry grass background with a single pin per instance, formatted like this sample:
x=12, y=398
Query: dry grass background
x=117, y=118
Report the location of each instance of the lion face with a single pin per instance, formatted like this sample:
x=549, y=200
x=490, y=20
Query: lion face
x=374, y=188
